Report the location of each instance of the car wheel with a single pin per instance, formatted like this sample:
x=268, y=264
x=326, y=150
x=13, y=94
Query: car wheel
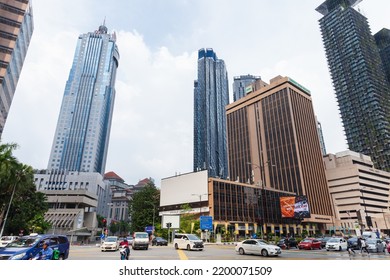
x=176, y=247
x=61, y=258
x=241, y=251
x=188, y=247
x=264, y=253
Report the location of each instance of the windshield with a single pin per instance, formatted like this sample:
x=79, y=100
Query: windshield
x=371, y=241
x=192, y=237
x=111, y=239
x=141, y=235
x=334, y=240
x=307, y=240
x=23, y=242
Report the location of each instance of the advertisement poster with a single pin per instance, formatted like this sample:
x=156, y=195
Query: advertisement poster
x=296, y=207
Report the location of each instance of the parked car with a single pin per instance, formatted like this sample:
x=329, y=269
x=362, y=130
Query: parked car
x=110, y=243
x=309, y=244
x=375, y=245
x=257, y=247
x=4, y=240
x=159, y=241
x=188, y=241
x=336, y=244
x=292, y=242
x=29, y=246
x=324, y=240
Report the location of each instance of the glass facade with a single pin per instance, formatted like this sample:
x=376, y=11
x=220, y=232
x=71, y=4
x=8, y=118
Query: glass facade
x=15, y=37
x=211, y=96
x=359, y=80
x=83, y=128
x=240, y=83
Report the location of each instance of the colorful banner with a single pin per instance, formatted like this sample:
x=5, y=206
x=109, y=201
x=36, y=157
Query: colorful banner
x=296, y=207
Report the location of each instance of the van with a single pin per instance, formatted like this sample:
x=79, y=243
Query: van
x=140, y=240
x=187, y=241
x=369, y=234
x=29, y=246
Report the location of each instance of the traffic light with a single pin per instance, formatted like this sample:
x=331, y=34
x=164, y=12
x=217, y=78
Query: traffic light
x=169, y=225
x=369, y=221
x=104, y=222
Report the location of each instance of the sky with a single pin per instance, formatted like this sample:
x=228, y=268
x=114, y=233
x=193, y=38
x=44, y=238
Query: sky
x=158, y=41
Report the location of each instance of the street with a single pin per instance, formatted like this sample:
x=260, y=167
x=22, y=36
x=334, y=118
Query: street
x=215, y=252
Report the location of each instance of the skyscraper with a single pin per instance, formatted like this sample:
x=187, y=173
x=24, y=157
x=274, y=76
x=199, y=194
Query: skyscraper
x=16, y=28
x=211, y=96
x=359, y=79
x=240, y=84
x=83, y=129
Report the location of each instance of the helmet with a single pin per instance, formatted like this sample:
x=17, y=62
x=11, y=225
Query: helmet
x=125, y=239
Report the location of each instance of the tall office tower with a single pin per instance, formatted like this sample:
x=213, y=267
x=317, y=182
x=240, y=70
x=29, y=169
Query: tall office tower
x=211, y=95
x=274, y=144
x=16, y=29
x=240, y=85
x=359, y=80
x=382, y=39
x=83, y=129
x=321, y=137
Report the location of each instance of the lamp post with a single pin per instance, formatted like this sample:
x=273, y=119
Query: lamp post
x=200, y=202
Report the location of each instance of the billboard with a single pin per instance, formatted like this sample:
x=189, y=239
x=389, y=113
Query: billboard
x=296, y=207
x=206, y=223
x=173, y=220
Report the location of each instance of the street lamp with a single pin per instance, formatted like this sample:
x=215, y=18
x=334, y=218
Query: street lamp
x=200, y=201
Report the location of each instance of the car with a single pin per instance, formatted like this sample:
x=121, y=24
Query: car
x=110, y=243
x=159, y=241
x=257, y=247
x=375, y=245
x=292, y=242
x=324, y=240
x=130, y=240
x=4, y=240
x=140, y=240
x=187, y=241
x=309, y=244
x=336, y=244
x=353, y=243
x=27, y=247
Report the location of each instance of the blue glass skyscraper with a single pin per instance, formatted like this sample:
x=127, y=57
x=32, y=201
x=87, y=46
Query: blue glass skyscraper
x=83, y=129
x=211, y=96
x=359, y=79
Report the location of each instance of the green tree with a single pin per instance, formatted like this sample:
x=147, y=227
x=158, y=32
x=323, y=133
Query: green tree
x=143, y=208
x=20, y=203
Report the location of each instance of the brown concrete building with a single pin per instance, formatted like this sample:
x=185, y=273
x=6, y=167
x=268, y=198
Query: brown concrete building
x=273, y=144
x=360, y=193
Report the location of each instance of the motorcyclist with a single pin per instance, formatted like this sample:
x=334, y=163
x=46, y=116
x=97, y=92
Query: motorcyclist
x=125, y=243
x=46, y=253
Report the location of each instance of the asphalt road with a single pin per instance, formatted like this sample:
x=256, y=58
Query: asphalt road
x=214, y=252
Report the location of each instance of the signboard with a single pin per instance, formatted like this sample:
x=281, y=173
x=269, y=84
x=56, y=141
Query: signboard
x=173, y=220
x=294, y=207
x=206, y=223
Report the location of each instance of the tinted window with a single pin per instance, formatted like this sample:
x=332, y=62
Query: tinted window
x=62, y=239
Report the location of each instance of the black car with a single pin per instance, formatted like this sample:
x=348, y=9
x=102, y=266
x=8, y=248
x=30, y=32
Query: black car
x=324, y=240
x=159, y=241
x=292, y=242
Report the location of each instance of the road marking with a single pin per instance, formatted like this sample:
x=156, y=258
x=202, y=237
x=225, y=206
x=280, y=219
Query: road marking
x=182, y=255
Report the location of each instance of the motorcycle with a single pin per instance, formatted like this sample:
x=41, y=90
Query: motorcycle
x=124, y=252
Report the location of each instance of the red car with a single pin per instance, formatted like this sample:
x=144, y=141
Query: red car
x=309, y=244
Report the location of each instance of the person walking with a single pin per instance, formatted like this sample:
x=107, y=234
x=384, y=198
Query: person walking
x=350, y=248
x=364, y=246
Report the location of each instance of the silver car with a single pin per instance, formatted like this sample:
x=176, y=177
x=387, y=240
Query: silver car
x=375, y=245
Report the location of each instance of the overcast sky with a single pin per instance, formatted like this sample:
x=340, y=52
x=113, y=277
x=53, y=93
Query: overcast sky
x=158, y=40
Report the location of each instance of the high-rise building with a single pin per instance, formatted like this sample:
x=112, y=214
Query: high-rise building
x=83, y=129
x=240, y=85
x=274, y=145
x=382, y=39
x=211, y=95
x=359, y=79
x=16, y=28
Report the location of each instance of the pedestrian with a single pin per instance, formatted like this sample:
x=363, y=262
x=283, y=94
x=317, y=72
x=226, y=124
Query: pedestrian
x=45, y=254
x=364, y=246
x=350, y=248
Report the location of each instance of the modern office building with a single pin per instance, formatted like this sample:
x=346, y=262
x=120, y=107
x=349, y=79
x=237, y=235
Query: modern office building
x=321, y=137
x=240, y=84
x=16, y=29
x=211, y=95
x=359, y=79
x=274, y=145
x=83, y=128
x=360, y=193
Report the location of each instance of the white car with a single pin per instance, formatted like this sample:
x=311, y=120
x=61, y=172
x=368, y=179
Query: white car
x=257, y=247
x=4, y=240
x=187, y=241
x=336, y=244
x=110, y=243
